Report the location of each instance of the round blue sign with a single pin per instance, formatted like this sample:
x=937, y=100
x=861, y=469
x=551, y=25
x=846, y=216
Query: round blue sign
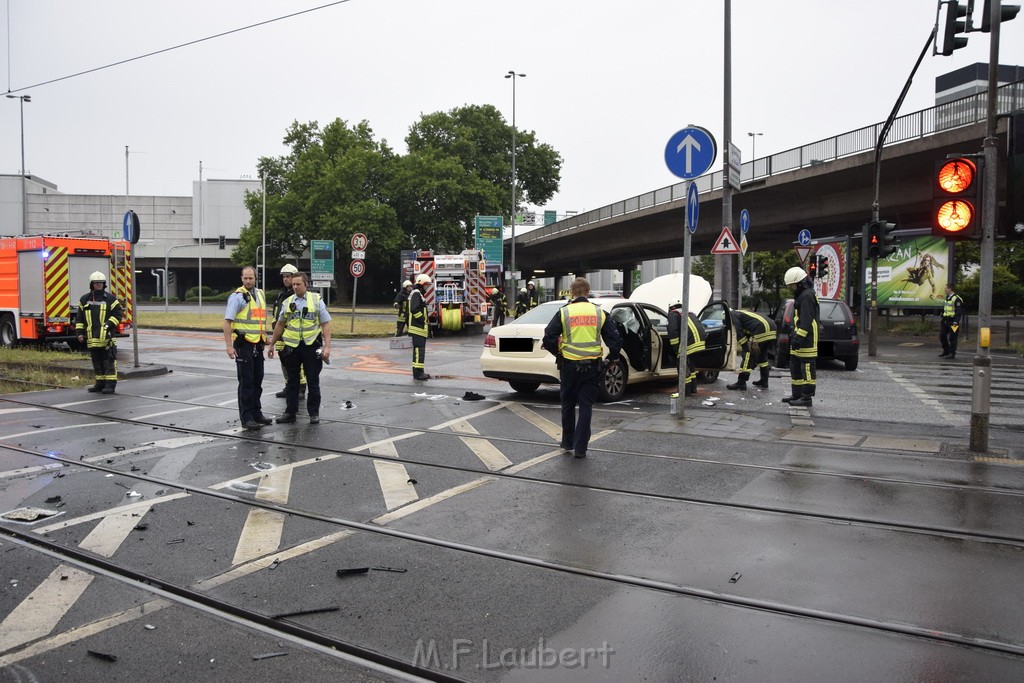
x=744, y=221
x=690, y=152
x=692, y=208
x=804, y=238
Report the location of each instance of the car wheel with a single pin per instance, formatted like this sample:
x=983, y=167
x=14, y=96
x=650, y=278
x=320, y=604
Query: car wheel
x=524, y=387
x=8, y=336
x=707, y=376
x=851, y=362
x=781, y=359
x=612, y=385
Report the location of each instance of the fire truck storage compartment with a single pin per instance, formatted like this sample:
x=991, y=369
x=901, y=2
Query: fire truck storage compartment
x=30, y=278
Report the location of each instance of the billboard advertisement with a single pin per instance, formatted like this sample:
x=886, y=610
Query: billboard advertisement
x=833, y=285
x=915, y=275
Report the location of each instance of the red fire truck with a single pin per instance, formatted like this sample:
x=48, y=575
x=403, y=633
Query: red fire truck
x=42, y=278
x=456, y=296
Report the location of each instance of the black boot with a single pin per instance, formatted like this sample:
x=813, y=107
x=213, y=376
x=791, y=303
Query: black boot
x=109, y=388
x=420, y=375
x=96, y=388
x=803, y=401
x=795, y=396
x=763, y=382
x=740, y=383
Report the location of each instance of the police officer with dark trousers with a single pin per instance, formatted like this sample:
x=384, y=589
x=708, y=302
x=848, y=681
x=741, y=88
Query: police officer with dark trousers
x=99, y=314
x=305, y=327
x=401, y=306
x=574, y=337
x=245, y=324
x=287, y=271
x=952, y=315
x=803, y=341
x=756, y=334
x=419, y=326
x=696, y=340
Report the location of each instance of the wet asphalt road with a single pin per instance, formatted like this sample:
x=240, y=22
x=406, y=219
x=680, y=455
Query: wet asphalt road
x=859, y=540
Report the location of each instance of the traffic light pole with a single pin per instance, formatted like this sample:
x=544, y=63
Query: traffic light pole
x=981, y=387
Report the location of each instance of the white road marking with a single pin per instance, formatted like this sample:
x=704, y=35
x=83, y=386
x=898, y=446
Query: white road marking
x=126, y=509
x=54, y=429
x=542, y=423
x=443, y=425
x=427, y=502
x=81, y=403
x=488, y=453
x=110, y=533
x=394, y=483
x=263, y=528
x=11, y=411
x=39, y=613
x=921, y=395
x=170, y=412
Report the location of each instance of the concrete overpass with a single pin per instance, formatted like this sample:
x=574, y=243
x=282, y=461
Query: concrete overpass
x=827, y=187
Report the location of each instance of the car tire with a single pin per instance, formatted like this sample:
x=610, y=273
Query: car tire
x=524, y=387
x=851, y=362
x=707, y=376
x=612, y=384
x=8, y=335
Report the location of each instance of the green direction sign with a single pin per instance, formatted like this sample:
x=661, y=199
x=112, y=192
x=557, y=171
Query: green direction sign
x=489, y=239
x=322, y=259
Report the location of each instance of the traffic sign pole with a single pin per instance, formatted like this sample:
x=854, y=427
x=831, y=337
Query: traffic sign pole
x=684, y=326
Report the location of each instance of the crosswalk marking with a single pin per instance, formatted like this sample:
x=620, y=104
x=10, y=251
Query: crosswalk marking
x=488, y=453
x=263, y=528
x=39, y=613
x=443, y=425
x=11, y=411
x=110, y=533
x=394, y=483
x=542, y=423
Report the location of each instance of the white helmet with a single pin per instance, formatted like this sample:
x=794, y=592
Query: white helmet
x=530, y=284
x=523, y=290
x=97, y=277
x=423, y=279
x=795, y=275
x=407, y=283
x=676, y=304
x=288, y=269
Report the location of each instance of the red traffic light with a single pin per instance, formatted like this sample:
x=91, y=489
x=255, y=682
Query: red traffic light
x=956, y=197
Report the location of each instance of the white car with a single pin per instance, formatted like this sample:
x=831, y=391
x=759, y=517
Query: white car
x=513, y=352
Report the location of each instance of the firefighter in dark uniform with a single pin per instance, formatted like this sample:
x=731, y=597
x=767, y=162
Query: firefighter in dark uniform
x=305, y=327
x=419, y=326
x=401, y=306
x=522, y=301
x=756, y=334
x=952, y=314
x=803, y=341
x=574, y=336
x=532, y=296
x=245, y=335
x=696, y=340
x=99, y=313
x=287, y=271
x=499, y=305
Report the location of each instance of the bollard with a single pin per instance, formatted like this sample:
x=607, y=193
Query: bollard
x=1007, y=334
x=672, y=409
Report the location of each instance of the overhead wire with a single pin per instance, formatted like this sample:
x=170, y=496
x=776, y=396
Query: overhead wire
x=173, y=47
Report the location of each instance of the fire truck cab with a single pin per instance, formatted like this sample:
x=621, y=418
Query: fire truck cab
x=43, y=277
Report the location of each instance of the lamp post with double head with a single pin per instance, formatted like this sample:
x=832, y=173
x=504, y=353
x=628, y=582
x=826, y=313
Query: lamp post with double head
x=512, y=266
x=24, y=190
x=753, y=145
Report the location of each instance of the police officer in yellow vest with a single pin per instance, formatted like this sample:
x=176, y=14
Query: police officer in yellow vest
x=803, y=340
x=419, y=326
x=305, y=327
x=574, y=337
x=952, y=314
x=99, y=313
x=245, y=321
x=287, y=271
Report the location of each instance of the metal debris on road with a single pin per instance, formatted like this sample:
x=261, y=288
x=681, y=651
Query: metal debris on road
x=396, y=570
x=177, y=540
x=735, y=577
x=269, y=655
x=274, y=564
x=353, y=571
x=302, y=612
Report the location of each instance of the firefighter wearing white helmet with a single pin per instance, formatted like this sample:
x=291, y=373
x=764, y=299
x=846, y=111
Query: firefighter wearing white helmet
x=419, y=326
x=803, y=340
x=533, y=299
x=96, y=322
x=696, y=340
x=401, y=305
x=287, y=271
x=522, y=301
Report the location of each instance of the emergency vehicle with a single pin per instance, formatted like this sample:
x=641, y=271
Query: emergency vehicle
x=42, y=278
x=457, y=293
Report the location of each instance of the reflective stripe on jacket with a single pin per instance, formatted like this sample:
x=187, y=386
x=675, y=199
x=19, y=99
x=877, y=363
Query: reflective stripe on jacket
x=417, y=321
x=952, y=307
x=251, y=321
x=303, y=324
x=805, y=325
x=94, y=315
x=581, y=331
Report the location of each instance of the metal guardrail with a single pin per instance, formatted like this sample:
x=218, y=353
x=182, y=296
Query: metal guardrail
x=965, y=111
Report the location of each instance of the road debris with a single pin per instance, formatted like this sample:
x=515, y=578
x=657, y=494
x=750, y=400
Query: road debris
x=28, y=514
x=53, y=499
x=177, y=540
x=103, y=655
x=735, y=577
x=269, y=655
x=302, y=612
x=274, y=565
x=396, y=570
x=472, y=396
x=353, y=571
x=142, y=526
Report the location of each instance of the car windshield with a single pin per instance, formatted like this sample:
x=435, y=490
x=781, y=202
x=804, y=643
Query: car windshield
x=833, y=311
x=541, y=315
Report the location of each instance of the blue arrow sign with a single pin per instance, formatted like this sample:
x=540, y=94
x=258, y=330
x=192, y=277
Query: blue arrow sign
x=692, y=207
x=690, y=152
x=804, y=238
x=744, y=221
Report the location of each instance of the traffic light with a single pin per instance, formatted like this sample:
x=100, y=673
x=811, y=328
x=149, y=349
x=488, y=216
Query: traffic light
x=956, y=199
x=822, y=267
x=890, y=242
x=1006, y=13
x=874, y=239
x=221, y=243
x=812, y=267
x=955, y=22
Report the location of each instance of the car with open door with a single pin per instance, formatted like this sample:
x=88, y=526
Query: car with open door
x=513, y=352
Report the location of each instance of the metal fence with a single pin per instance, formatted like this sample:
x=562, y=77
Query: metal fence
x=956, y=114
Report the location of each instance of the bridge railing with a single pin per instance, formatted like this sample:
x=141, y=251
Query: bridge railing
x=965, y=111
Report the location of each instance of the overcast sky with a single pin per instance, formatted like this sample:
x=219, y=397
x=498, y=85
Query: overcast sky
x=607, y=83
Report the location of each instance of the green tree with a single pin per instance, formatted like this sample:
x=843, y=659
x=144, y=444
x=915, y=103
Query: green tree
x=770, y=268
x=1008, y=253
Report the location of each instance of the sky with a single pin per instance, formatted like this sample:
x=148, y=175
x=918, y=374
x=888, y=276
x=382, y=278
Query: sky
x=607, y=83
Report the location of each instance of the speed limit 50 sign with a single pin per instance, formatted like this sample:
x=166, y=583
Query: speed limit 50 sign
x=357, y=268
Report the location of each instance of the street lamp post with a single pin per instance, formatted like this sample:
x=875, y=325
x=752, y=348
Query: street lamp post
x=24, y=191
x=753, y=145
x=513, y=75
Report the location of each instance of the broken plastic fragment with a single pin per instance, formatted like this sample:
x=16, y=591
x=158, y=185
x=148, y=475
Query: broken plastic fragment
x=102, y=655
x=396, y=570
x=735, y=577
x=53, y=499
x=354, y=570
x=133, y=494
